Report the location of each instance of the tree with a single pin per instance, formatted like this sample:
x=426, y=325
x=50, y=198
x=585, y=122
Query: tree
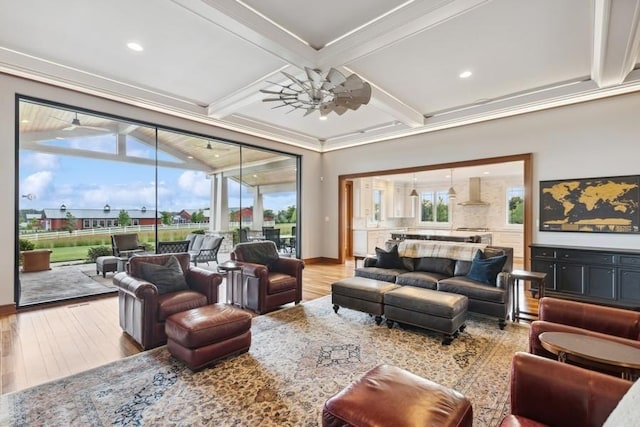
x=167, y=217
x=516, y=210
x=268, y=214
x=198, y=217
x=69, y=222
x=123, y=218
x=442, y=211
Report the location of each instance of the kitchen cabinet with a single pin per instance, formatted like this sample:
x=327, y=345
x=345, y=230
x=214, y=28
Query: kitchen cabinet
x=366, y=241
x=599, y=275
x=363, y=201
x=402, y=203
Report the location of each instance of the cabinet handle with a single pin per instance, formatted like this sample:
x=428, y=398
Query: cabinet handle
x=566, y=255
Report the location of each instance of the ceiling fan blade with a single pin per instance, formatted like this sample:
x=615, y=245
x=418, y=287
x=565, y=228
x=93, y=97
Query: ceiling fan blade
x=313, y=75
x=96, y=128
x=335, y=77
x=282, y=98
x=295, y=80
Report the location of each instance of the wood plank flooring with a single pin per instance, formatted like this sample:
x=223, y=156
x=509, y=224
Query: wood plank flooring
x=40, y=345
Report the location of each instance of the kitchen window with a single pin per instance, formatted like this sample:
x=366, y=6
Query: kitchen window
x=515, y=205
x=377, y=205
x=434, y=207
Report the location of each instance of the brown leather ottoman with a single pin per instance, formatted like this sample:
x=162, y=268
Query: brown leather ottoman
x=390, y=396
x=202, y=335
x=362, y=294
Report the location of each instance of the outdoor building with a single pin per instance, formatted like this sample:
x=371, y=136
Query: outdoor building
x=82, y=219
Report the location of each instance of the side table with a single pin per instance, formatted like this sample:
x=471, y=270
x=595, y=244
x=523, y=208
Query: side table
x=231, y=267
x=514, y=282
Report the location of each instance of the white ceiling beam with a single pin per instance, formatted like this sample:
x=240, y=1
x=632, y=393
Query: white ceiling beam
x=253, y=28
x=616, y=40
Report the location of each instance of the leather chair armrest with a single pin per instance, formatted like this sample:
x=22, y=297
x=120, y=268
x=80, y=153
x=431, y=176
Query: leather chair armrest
x=607, y=320
x=554, y=393
x=136, y=287
x=291, y=266
x=204, y=281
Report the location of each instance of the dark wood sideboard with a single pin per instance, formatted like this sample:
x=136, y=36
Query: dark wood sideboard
x=600, y=275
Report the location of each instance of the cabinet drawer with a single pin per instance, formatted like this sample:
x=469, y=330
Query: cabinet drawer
x=630, y=260
x=585, y=257
x=543, y=253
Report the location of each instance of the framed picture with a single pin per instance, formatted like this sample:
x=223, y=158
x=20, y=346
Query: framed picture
x=594, y=205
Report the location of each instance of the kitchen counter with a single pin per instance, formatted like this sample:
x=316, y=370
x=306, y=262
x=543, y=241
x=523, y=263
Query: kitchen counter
x=452, y=236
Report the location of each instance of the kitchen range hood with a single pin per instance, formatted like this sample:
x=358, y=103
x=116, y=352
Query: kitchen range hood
x=474, y=194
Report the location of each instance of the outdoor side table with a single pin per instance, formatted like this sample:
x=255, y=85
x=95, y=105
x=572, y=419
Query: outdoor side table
x=230, y=267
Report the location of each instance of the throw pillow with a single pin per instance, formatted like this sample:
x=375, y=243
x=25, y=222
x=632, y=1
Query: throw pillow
x=485, y=270
x=627, y=412
x=167, y=278
x=388, y=259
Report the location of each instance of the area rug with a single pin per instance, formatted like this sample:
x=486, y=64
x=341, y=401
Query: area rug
x=63, y=282
x=299, y=357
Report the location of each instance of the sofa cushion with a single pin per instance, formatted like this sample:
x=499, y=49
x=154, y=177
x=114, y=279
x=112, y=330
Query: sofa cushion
x=420, y=279
x=474, y=290
x=485, y=270
x=407, y=263
x=383, y=274
x=435, y=265
x=167, y=278
x=461, y=268
x=388, y=259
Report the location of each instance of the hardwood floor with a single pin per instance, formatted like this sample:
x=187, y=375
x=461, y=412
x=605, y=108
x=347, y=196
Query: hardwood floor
x=43, y=344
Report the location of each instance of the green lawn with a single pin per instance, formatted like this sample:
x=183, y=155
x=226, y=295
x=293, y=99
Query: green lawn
x=69, y=253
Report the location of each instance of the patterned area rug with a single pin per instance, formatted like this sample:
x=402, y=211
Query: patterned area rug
x=299, y=357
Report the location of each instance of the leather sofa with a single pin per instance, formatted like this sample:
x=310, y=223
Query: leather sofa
x=559, y=315
x=144, y=310
x=450, y=275
x=545, y=392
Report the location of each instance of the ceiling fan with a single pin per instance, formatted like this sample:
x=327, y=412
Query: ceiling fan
x=333, y=92
x=75, y=124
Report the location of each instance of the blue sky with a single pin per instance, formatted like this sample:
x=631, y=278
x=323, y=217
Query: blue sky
x=84, y=183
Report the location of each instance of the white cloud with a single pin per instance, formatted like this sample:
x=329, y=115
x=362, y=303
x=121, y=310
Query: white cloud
x=195, y=183
x=36, y=183
x=40, y=161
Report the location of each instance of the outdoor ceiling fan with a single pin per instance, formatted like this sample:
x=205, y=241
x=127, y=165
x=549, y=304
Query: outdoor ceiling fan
x=75, y=124
x=333, y=92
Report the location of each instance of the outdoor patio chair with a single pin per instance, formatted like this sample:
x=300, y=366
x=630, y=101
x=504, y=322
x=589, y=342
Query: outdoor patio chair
x=172, y=247
x=126, y=245
x=207, y=249
x=273, y=234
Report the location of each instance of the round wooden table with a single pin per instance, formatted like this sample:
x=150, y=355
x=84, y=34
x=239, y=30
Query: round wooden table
x=595, y=350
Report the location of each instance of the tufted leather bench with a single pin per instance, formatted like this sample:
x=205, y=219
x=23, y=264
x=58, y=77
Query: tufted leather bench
x=390, y=396
x=434, y=310
x=203, y=335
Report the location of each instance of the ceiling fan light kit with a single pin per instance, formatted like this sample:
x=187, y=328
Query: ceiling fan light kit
x=331, y=93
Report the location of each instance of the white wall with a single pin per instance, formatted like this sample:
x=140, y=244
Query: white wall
x=10, y=86
x=595, y=139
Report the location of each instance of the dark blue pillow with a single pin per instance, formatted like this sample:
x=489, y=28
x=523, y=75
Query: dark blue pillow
x=485, y=270
x=388, y=259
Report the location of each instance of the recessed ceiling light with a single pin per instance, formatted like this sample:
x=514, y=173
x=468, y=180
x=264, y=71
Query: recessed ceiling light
x=465, y=74
x=189, y=157
x=486, y=173
x=216, y=155
x=323, y=117
x=24, y=121
x=135, y=46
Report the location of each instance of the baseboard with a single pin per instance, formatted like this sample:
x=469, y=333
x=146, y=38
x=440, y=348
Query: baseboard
x=321, y=260
x=7, y=309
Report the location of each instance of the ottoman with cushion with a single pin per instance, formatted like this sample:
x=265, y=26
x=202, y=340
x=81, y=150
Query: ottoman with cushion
x=105, y=264
x=390, y=396
x=434, y=310
x=362, y=294
x=203, y=335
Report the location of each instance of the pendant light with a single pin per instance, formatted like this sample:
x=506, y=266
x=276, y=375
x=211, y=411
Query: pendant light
x=451, y=193
x=414, y=193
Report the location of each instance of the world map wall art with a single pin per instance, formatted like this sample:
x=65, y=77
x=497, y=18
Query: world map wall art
x=595, y=205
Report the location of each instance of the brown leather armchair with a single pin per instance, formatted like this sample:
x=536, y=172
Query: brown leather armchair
x=143, y=310
x=549, y=393
x=558, y=315
x=271, y=281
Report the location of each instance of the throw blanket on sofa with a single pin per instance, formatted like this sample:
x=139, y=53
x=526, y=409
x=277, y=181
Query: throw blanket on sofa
x=439, y=249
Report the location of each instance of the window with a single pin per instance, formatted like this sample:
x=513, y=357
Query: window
x=434, y=206
x=377, y=205
x=515, y=205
